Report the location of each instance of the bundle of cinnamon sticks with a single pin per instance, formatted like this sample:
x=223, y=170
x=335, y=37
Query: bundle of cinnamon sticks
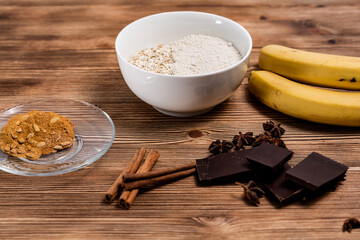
x=136, y=175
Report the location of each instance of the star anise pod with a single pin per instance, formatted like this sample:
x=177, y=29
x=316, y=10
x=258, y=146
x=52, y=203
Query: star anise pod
x=350, y=224
x=259, y=139
x=218, y=146
x=278, y=142
x=274, y=128
x=266, y=137
x=242, y=140
x=252, y=192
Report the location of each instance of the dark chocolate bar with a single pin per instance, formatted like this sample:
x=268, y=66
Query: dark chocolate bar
x=269, y=156
x=282, y=189
x=317, y=171
x=223, y=166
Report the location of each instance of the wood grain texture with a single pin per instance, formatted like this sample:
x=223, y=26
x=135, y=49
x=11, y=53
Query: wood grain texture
x=65, y=48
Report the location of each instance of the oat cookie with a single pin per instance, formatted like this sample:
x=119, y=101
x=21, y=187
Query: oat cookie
x=35, y=133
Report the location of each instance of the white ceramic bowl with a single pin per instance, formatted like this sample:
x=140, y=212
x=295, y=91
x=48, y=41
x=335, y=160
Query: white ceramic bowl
x=181, y=96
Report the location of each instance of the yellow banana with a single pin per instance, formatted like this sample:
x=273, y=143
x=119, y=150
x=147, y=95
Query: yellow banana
x=312, y=68
x=304, y=101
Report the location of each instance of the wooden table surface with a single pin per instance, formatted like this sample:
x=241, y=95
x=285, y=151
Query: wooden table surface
x=66, y=49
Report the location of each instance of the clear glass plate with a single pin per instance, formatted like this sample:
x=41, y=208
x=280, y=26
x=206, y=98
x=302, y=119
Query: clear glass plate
x=94, y=134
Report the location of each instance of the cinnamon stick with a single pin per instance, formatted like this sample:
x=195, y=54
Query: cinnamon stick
x=131, y=167
x=128, y=197
x=152, y=174
x=158, y=180
x=122, y=199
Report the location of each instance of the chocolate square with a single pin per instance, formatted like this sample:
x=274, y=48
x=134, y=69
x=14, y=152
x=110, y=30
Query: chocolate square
x=269, y=156
x=279, y=186
x=223, y=166
x=317, y=171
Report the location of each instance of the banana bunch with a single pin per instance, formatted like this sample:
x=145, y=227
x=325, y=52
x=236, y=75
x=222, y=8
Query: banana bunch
x=304, y=101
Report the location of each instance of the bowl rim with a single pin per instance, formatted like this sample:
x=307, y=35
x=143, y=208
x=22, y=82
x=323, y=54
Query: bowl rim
x=246, y=56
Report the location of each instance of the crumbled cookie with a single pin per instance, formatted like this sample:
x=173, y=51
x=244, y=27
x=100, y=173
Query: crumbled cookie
x=35, y=133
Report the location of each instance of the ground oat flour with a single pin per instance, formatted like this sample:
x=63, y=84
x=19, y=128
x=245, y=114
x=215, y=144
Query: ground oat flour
x=190, y=55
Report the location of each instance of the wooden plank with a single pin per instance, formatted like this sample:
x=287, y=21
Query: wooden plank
x=66, y=49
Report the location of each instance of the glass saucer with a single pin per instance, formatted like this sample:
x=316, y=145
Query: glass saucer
x=94, y=134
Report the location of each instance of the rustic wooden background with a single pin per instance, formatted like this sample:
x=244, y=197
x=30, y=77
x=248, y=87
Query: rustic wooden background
x=65, y=48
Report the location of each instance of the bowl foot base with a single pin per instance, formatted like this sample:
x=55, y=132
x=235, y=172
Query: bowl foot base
x=182, y=114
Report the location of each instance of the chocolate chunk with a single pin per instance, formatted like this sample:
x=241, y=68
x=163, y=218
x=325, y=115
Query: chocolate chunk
x=317, y=171
x=223, y=166
x=279, y=186
x=269, y=156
